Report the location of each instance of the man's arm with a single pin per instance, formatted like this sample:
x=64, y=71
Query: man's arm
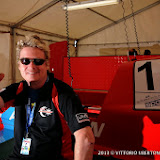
x=7, y=94
x=84, y=144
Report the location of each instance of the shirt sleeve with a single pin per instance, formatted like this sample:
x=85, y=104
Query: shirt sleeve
x=73, y=112
x=9, y=93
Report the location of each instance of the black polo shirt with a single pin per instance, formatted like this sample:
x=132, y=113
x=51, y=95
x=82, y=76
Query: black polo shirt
x=46, y=129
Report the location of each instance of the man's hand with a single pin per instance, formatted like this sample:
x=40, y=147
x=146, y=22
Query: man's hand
x=1, y=76
x=84, y=144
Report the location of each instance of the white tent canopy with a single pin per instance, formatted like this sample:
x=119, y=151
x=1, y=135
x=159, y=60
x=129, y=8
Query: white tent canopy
x=98, y=31
x=48, y=17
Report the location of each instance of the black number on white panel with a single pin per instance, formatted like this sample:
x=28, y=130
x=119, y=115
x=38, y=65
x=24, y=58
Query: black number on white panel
x=147, y=66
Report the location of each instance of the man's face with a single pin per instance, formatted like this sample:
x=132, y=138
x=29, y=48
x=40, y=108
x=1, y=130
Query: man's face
x=32, y=72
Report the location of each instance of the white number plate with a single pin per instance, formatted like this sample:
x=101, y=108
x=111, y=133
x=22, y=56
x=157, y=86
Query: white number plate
x=147, y=85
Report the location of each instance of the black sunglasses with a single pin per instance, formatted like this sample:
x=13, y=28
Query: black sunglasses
x=36, y=61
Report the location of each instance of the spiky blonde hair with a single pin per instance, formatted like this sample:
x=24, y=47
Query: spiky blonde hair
x=33, y=41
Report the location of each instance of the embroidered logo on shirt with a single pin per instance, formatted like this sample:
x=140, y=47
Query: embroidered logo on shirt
x=82, y=117
x=45, y=112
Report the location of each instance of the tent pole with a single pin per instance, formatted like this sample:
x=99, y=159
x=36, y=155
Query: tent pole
x=13, y=55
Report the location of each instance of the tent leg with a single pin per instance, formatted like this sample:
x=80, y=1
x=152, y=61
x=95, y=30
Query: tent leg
x=13, y=55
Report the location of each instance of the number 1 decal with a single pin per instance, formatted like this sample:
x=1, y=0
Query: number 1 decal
x=149, y=75
x=147, y=85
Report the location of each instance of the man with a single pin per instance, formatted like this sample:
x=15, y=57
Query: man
x=38, y=126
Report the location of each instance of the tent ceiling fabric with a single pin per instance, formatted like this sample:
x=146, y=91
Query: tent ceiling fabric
x=12, y=11
x=52, y=19
x=85, y=23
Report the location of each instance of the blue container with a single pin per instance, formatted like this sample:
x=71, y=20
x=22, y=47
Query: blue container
x=8, y=118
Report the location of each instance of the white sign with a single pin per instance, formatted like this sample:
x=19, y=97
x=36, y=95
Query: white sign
x=147, y=84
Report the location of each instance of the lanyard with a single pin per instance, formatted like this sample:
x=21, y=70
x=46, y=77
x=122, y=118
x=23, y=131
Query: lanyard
x=29, y=115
